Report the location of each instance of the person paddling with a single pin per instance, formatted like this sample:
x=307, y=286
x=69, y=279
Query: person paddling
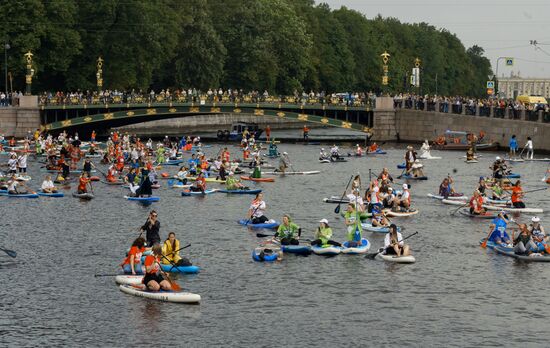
x=393, y=243
x=288, y=232
x=539, y=236
x=284, y=162
x=498, y=229
x=323, y=235
x=48, y=186
x=445, y=189
x=517, y=195
x=12, y=186
x=83, y=183
x=171, y=251
x=153, y=278
x=233, y=183
x=523, y=243
x=476, y=204
x=257, y=209
x=200, y=184
x=132, y=262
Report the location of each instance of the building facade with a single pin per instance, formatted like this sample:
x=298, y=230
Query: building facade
x=511, y=87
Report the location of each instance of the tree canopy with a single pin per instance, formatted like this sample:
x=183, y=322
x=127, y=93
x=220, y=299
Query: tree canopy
x=280, y=46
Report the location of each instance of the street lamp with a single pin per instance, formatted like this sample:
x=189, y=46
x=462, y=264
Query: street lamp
x=496, y=73
x=6, y=48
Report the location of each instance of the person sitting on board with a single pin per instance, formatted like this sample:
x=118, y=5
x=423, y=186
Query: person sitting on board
x=416, y=169
x=83, y=183
x=539, y=236
x=232, y=183
x=476, y=204
x=523, y=243
x=182, y=175
x=171, y=252
x=498, y=168
x=373, y=148
x=393, y=243
x=153, y=278
x=517, y=195
x=200, y=184
x=111, y=171
x=388, y=200
x=385, y=176
x=323, y=235
x=358, y=150
x=353, y=224
x=173, y=153
x=445, y=189
x=403, y=200
x=498, y=228
x=323, y=155
x=13, y=183
x=334, y=152
x=48, y=186
x=498, y=192
x=470, y=154
x=379, y=219
x=288, y=232
x=257, y=209
x=132, y=262
x=284, y=162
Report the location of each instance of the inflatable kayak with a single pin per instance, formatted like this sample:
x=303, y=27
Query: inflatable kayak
x=293, y=173
x=246, y=222
x=21, y=195
x=513, y=210
x=264, y=254
x=534, y=257
x=179, y=269
x=129, y=279
x=410, y=177
x=361, y=249
x=56, y=194
x=486, y=215
x=241, y=192
x=86, y=195
x=257, y=179
x=395, y=258
x=166, y=296
x=143, y=199
x=296, y=249
x=187, y=192
x=326, y=250
x=378, y=229
x=391, y=213
x=456, y=197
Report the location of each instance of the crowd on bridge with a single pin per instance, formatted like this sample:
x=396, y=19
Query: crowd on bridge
x=212, y=95
x=466, y=105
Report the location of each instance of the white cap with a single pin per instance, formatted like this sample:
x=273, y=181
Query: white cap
x=322, y=149
x=503, y=212
x=498, y=157
x=405, y=186
x=535, y=219
x=324, y=220
x=285, y=153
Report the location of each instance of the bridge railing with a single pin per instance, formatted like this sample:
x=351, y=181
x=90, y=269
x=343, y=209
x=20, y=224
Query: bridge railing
x=472, y=109
x=136, y=99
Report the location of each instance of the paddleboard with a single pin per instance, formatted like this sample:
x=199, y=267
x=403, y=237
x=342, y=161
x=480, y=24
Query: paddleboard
x=86, y=195
x=143, y=199
x=187, y=192
x=57, y=194
x=129, y=279
x=269, y=224
x=534, y=257
x=513, y=210
x=391, y=213
x=241, y=192
x=326, y=250
x=361, y=249
x=166, y=296
x=257, y=179
x=293, y=173
x=458, y=197
x=395, y=258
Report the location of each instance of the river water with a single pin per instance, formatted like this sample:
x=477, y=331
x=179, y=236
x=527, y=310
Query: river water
x=456, y=294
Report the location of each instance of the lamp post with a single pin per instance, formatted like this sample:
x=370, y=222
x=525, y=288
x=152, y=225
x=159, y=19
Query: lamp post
x=30, y=73
x=6, y=48
x=496, y=73
x=99, y=74
x=385, y=59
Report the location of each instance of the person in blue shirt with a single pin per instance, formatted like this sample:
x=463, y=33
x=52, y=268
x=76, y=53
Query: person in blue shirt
x=193, y=165
x=513, y=145
x=498, y=228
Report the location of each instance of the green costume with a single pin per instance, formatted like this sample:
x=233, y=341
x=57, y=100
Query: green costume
x=160, y=155
x=355, y=229
x=231, y=183
x=287, y=231
x=324, y=235
x=257, y=173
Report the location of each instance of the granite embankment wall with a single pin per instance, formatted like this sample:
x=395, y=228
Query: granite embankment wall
x=16, y=121
x=207, y=123
x=417, y=125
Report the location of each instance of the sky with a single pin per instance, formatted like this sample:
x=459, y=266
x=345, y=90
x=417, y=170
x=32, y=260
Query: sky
x=504, y=28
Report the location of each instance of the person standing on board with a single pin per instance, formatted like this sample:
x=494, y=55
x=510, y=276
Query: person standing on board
x=306, y=133
x=529, y=147
x=151, y=228
x=513, y=145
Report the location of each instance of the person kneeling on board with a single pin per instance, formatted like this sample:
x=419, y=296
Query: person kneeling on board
x=132, y=263
x=393, y=243
x=498, y=228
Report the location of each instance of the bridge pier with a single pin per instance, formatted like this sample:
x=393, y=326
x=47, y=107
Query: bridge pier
x=18, y=120
x=384, y=120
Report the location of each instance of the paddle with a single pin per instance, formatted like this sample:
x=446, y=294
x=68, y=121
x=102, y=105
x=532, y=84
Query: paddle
x=175, y=286
x=251, y=215
x=261, y=235
x=337, y=209
x=460, y=207
x=373, y=255
x=10, y=253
